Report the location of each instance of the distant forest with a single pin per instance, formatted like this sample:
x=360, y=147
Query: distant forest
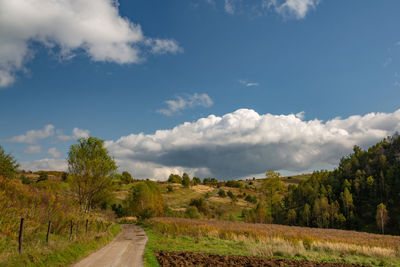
x=363, y=194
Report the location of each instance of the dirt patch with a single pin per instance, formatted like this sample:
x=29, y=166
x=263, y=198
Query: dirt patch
x=169, y=258
x=202, y=188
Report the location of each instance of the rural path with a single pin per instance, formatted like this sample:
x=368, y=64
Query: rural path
x=125, y=250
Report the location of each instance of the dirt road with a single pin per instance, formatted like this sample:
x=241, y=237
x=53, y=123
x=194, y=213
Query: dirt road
x=125, y=250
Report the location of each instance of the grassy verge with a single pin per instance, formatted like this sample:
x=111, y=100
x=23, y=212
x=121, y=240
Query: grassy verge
x=162, y=238
x=62, y=252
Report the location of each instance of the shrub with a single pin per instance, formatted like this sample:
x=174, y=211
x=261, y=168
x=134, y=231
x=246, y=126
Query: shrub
x=235, y=184
x=200, y=204
x=174, y=178
x=196, y=181
x=222, y=193
x=8, y=165
x=251, y=199
x=232, y=196
x=185, y=180
x=192, y=212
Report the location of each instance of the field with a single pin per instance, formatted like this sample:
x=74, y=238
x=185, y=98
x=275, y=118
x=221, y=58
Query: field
x=243, y=239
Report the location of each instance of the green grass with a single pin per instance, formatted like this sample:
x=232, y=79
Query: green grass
x=251, y=248
x=62, y=254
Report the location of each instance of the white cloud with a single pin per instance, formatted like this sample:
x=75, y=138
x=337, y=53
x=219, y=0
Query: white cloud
x=76, y=134
x=159, y=46
x=92, y=26
x=189, y=101
x=33, y=136
x=244, y=142
x=287, y=8
x=249, y=84
x=45, y=165
x=32, y=150
x=54, y=152
x=229, y=7
x=297, y=8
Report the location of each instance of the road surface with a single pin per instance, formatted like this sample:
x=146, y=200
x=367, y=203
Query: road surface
x=125, y=250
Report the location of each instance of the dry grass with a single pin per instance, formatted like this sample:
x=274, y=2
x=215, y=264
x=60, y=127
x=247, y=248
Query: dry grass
x=268, y=238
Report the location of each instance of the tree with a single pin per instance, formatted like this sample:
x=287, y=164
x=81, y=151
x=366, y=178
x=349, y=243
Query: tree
x=174, y=178
x=8, y=165
x=221, y=193
x=90, y=167
x=273, y=185
x=145, y=201
x=291, y=216
x=196, y=181
x=126, y=177
x=382, y=217
x=306, y=214
x=347, y=200
x=185, y=180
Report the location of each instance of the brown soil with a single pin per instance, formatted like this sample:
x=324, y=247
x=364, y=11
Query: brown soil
x=169, y=258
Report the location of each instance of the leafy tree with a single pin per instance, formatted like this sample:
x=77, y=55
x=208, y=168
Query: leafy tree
x=145, y=201
x=306, y=214
x=200, y=204
x=126, y=177
x=174, y=178
x=196, y=181
x=8, y=165
x=382, y=217
x=347, y=200
x=185, y=180
x=291, y=217
x=90, y=167
x=273, y=187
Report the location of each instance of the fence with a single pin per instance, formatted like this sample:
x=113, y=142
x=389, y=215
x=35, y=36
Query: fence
x=73, y=229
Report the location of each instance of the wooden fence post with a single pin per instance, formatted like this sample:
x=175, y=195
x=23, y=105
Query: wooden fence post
x=87, y=222
x=48, y=232
x=21, y=235
x=70, y=231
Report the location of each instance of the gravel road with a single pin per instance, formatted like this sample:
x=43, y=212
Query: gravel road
x=125, y=250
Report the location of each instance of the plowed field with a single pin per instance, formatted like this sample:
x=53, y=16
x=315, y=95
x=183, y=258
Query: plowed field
x=168, y=258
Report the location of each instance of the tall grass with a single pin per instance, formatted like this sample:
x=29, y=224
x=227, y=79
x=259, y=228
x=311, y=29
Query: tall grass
x=278, y=240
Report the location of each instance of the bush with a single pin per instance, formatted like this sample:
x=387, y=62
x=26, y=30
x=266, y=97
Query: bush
x=232, y=196
x=185, y=180
x=235, y=184
x=8, y=165
x=170, y=188
x=196, y=181
x=200, y=204
x=42, y=177
x=251, y=199
x=192, y=212
x=174, y=178
x=222, y=193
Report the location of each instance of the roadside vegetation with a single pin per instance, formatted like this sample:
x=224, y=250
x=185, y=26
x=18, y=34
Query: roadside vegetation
x=64, y=215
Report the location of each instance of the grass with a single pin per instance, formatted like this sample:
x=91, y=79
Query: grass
x=61, y=252
x=227, y=238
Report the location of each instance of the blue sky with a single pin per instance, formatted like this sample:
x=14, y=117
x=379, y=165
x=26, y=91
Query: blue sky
x=327, y=59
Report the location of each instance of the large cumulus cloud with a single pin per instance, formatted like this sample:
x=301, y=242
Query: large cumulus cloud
x=244, y=143
x=92, y=26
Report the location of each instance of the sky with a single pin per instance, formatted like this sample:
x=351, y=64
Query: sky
x=214, y=88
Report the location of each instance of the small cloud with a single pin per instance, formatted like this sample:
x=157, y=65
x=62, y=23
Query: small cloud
x=387, y=62
x=54, y=152
x=163, y=46
x=249, y=84
x=32, y=150
x=397, y=83
x=32, y=136
x=185, y=102
x=229, y=7
x=76, y=134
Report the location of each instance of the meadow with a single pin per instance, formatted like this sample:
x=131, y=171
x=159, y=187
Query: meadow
x=269, y=240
